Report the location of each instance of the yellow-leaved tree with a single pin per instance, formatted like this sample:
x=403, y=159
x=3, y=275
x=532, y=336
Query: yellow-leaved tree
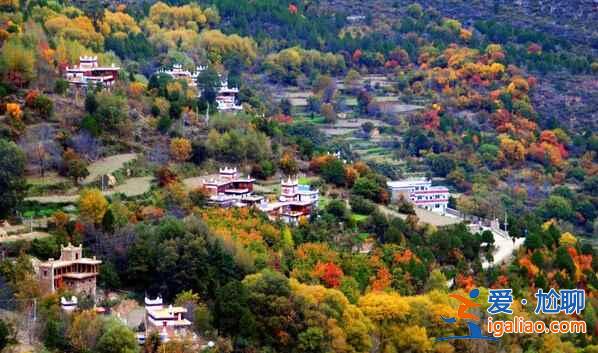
x=347, y=325
x=80, y=29
x=18, y=63
x=92, y=205
x=118, y=24
x=512, y=150
x=9, y=5
x=180, y=149
x=386, y=310
x=85, y=330
x=567, y=239
x=383, y=307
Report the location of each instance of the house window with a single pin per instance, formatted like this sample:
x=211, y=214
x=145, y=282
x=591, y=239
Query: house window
x=45, y=273
x=76, y=256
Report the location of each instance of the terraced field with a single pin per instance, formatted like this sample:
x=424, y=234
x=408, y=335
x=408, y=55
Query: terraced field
x=107, y=165
x=130, y=188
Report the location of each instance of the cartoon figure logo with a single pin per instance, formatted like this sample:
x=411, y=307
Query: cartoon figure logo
x=475, y=332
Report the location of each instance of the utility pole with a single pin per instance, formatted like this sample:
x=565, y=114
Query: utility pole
x=207, y=113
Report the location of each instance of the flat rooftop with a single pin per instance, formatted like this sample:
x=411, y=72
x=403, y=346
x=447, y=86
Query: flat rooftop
x=406, y=183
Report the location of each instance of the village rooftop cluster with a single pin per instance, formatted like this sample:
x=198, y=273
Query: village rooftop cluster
x=89, y=73
x=231, y=189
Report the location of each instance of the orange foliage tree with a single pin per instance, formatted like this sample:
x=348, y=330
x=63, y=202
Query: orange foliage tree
x=329, y=273
x=382, y=280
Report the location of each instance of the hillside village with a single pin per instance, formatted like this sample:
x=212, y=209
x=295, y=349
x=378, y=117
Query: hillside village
x=282, y=176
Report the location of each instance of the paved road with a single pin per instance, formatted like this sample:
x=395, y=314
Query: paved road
x=504, y=249
x=504, y=245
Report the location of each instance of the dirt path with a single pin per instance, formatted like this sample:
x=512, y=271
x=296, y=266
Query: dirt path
x=54, y=198
x=25, y=236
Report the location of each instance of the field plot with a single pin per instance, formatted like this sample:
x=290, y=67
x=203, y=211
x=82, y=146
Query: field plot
x=130, y=188
x=197, y=182
x=107, y=165
x=48, y=179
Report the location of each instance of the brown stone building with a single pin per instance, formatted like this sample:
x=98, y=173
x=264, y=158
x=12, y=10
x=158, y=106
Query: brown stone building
x=72, y=272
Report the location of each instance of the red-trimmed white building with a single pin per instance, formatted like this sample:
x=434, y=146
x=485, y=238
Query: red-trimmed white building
x=226, y=99
x=89, y=72
x=421, y=193
x=231, y=189
x=295, y=201
x=178, y=73
x=168, y=321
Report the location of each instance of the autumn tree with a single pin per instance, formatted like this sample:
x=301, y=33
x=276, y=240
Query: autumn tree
x=411, y=338
x=9, y=5
x=21, y=279
x=329, y=273
x=17, y=63
x=220, y=46
x=385, y=309
x=351, y=174
x=118, y=24
x=166, y=176
x=74, y=166
x=352, y=77
x=136, y=89
x=288, y=64
x=288, y=163
x=180, y=149
x=85, y=329
x=15, y=119
x=13, y=111
x=92, y=205
x=327, y=110
x=513, y=150
x=39, y=103
x=79, y=28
